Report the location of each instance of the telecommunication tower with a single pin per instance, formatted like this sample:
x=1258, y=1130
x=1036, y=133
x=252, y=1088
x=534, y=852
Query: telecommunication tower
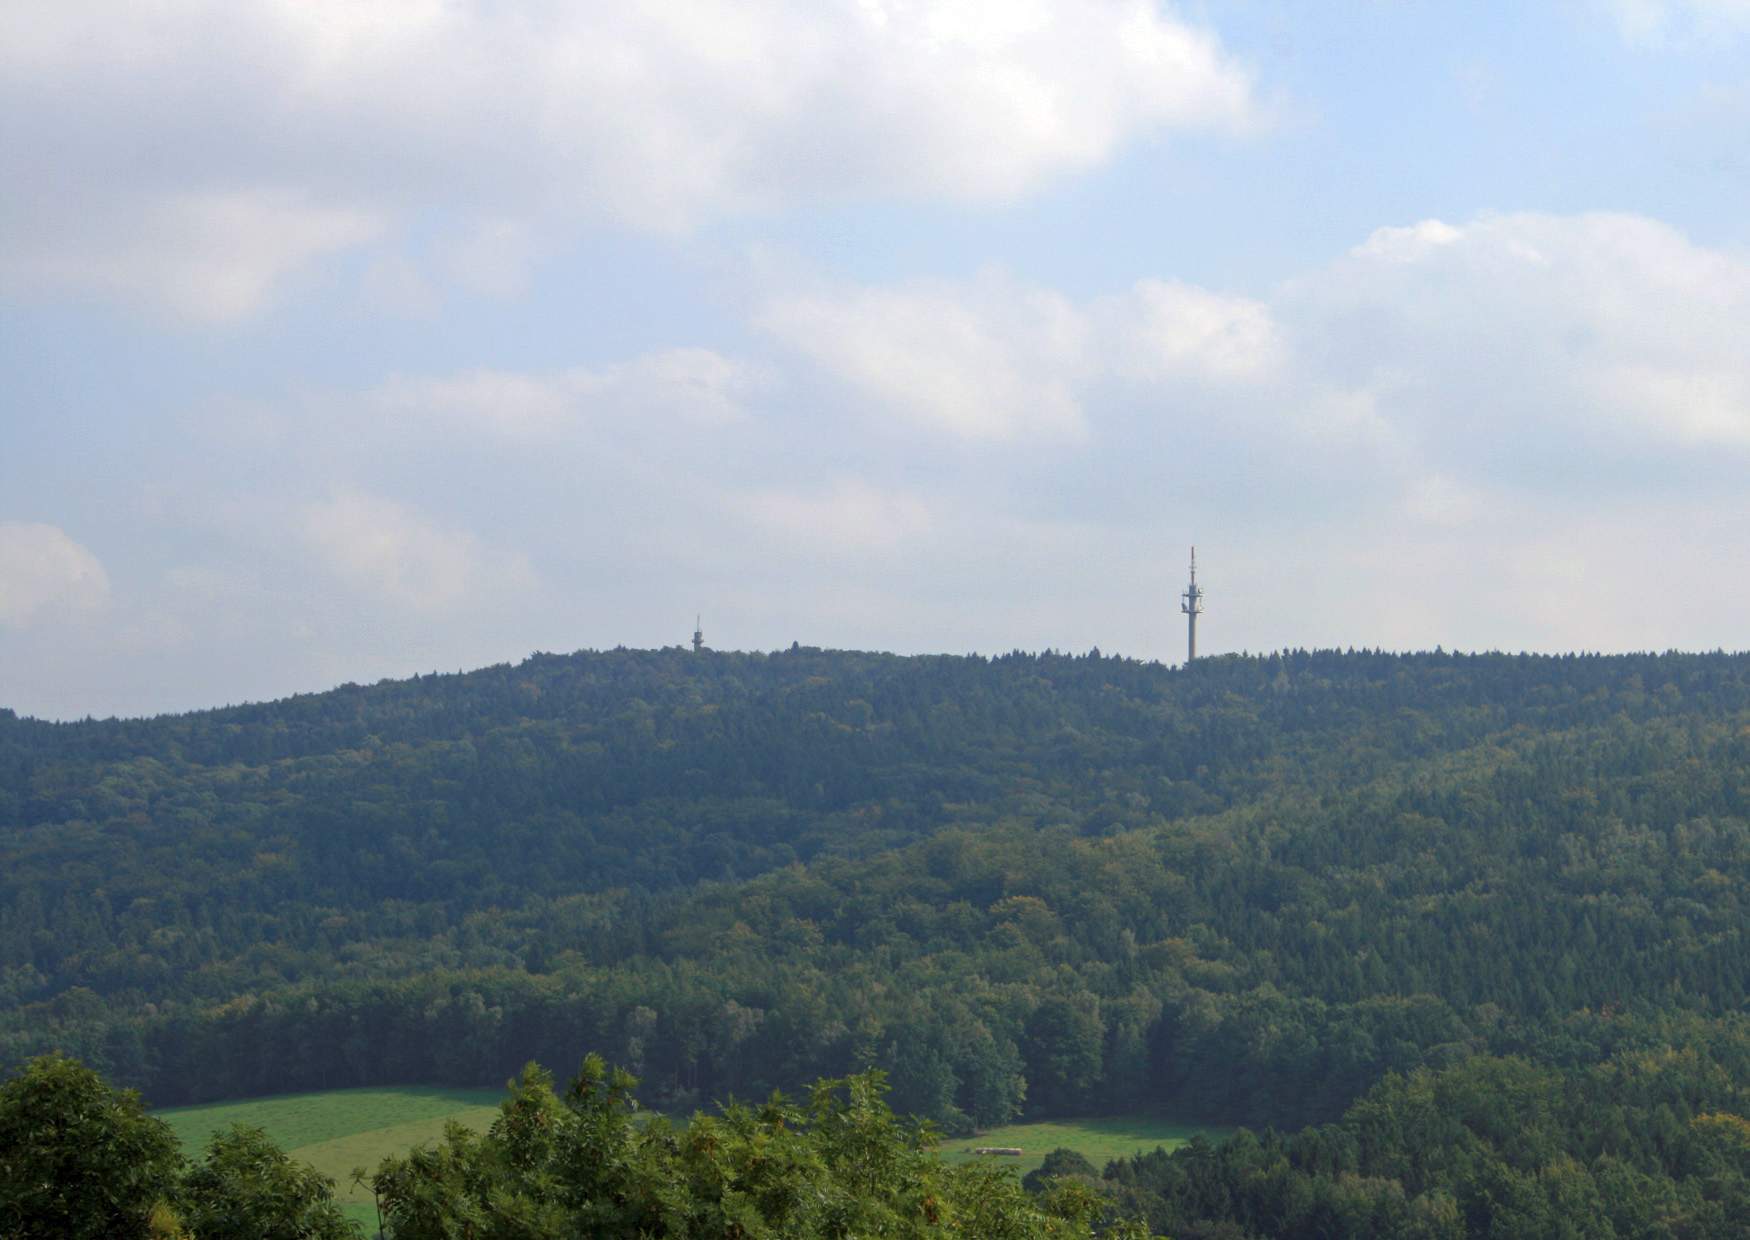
x=1192, y=606
x=698, y=634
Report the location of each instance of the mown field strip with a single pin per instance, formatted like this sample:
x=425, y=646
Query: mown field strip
x=341, y=1129
x=338, y=1158
x=294, y=1120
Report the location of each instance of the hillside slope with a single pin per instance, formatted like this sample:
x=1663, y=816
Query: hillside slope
x=1034, y=885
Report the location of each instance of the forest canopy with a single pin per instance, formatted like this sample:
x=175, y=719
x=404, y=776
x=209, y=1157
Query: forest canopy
x=1283, y=891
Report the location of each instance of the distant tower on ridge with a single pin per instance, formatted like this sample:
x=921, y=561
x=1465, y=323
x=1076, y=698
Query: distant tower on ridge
x=698, y=634
x=1192, y=606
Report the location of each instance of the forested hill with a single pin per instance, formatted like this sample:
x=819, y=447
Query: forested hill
x=660, y=768
x=1242, y=891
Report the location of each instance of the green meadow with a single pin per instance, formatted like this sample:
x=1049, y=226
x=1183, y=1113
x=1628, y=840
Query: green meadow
x=341, y=1129
x=1097, y=1140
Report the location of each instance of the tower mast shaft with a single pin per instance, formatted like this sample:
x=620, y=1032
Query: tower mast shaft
x=1192, y=605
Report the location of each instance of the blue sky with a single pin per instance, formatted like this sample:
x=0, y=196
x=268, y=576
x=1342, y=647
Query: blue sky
x=346, y=342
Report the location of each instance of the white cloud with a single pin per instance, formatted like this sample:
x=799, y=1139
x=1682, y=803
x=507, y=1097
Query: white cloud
x=1629, y=575
x=1691, y=406
x=1165, y=329
x=692, y=385
x=985, y=360
x=1570, y=337
x=44, y=573
x=995, y=359
x=212, y=257
x=393, y=284
x=497, y=257
x=1407, y=245
x=200, y=149
x=387, y=550
x=1438, y=500
x=1653, y=22
x=514, y=403
x=1428, y=375
x=851, y=518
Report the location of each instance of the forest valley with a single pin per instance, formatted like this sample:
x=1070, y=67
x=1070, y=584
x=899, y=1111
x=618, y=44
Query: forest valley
x=1462, y=938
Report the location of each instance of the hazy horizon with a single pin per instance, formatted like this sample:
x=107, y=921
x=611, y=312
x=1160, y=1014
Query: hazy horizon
x=1169, y=663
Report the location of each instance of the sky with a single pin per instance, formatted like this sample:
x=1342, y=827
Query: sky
x=344, y=341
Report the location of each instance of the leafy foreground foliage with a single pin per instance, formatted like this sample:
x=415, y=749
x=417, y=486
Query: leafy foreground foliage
x=80, y=1161
x=843, y=1166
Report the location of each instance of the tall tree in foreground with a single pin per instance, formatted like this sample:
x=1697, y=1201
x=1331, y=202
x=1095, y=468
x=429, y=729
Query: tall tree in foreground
x=248, y=1189
x=80, y=1160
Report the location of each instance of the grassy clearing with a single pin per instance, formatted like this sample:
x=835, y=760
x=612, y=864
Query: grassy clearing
x=338, y=1157
x=342, y=1129
x=347, y=1128
x=295, y=1120
x=1097, y=1140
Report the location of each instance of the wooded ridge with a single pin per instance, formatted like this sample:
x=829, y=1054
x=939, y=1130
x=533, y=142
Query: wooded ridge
x=1257, y=890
